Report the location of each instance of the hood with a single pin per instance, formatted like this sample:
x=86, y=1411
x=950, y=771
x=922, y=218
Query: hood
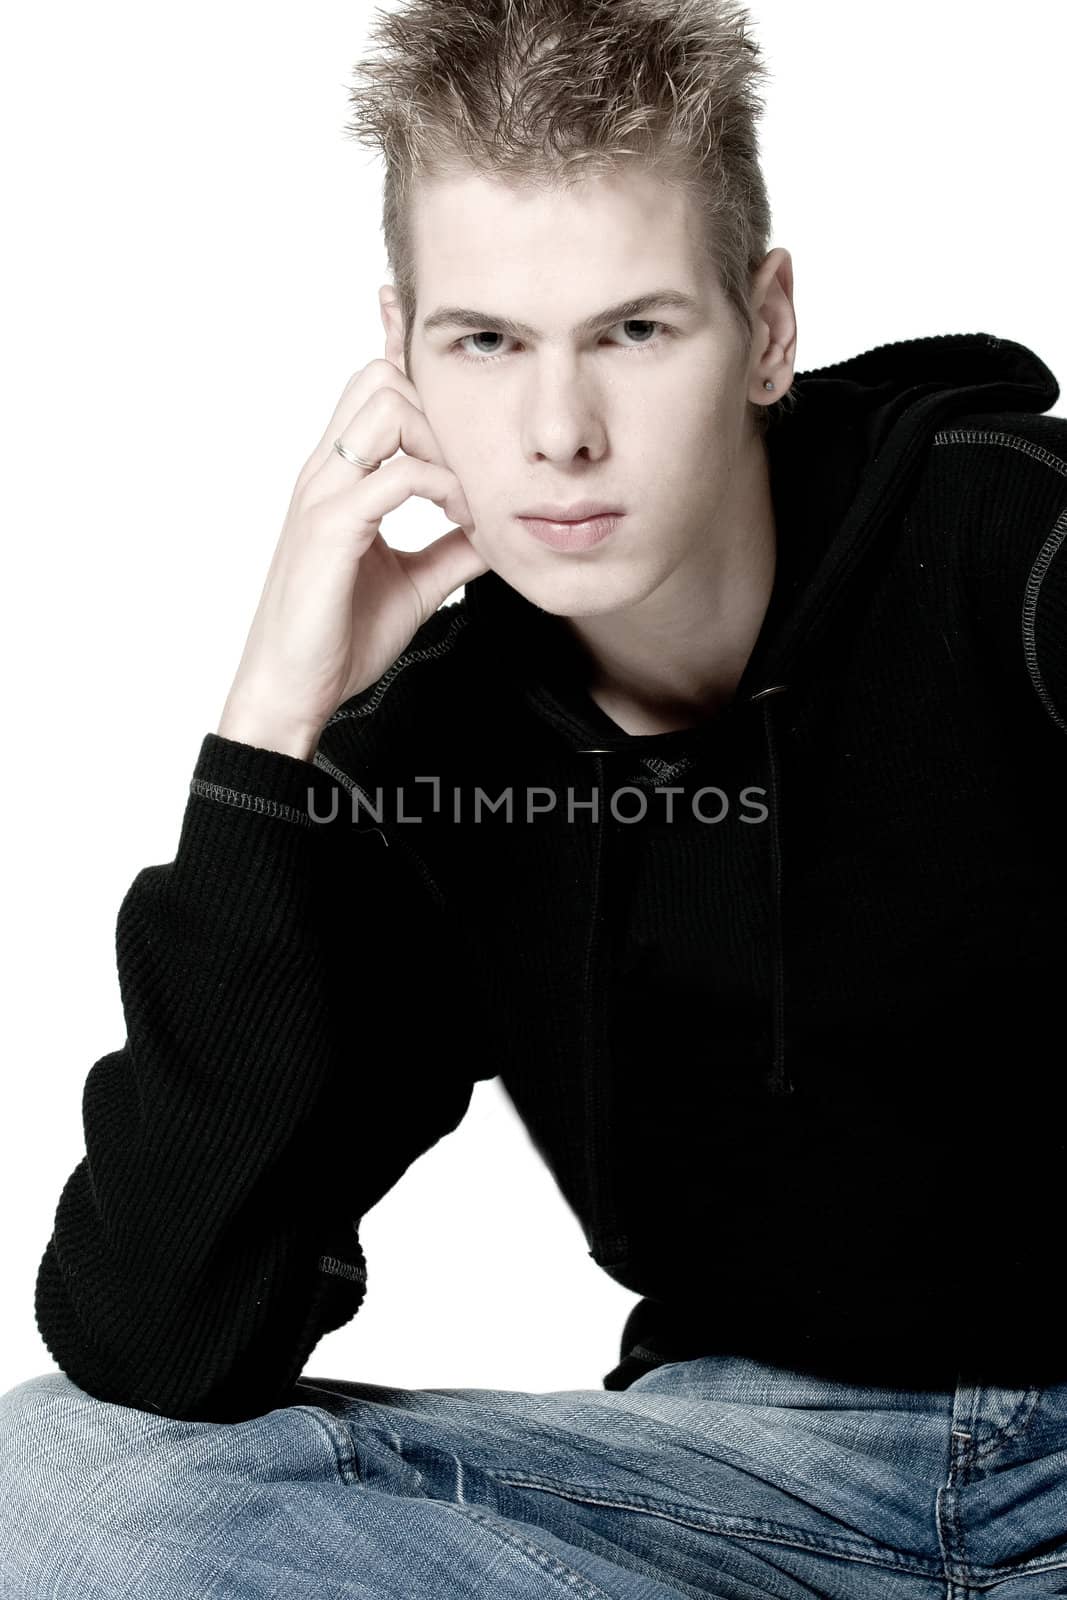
x=841, y=461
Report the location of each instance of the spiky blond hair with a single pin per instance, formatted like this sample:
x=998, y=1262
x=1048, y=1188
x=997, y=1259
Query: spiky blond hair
x=552, y=91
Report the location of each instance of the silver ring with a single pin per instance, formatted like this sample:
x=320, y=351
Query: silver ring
x=350, y=455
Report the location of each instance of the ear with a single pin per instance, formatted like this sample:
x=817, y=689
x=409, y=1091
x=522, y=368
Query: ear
x=773, y=353
x=393, y=323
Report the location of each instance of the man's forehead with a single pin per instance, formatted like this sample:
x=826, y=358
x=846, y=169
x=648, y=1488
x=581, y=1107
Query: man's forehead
x=481, y=263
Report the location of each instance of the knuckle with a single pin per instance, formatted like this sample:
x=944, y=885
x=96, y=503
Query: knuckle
x=383, y=370
x=386, y=399
x=317, y=503
x=314, y=518
x=323, y=523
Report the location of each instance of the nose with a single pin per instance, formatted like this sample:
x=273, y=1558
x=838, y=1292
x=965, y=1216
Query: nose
x=563, y=414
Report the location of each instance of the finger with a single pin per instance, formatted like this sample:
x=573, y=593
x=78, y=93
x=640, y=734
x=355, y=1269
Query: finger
x=360, y=386
x=388, y=422
x=443, y=566
x=357, y=510
x=394, y=349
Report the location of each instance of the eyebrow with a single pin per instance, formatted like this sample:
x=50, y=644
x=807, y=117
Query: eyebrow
x=462, y=317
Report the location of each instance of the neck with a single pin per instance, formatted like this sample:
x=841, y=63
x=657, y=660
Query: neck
x=677, y=656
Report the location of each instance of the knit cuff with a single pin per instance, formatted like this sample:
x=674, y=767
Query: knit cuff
x=252, y=817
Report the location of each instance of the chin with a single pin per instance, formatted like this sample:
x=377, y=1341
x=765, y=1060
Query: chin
x=589, y=593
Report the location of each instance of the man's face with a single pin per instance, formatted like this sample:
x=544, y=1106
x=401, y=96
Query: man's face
x=648, y=414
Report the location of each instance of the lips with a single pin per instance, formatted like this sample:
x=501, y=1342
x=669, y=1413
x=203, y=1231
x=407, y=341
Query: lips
x=573, y=536
x=580, y=511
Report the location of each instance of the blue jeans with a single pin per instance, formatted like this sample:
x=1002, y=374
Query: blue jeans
x=719, y=1477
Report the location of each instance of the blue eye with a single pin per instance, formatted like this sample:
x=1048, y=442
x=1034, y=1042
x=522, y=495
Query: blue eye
x=639, y=322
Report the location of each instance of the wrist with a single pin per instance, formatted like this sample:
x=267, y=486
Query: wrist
x=248, y=723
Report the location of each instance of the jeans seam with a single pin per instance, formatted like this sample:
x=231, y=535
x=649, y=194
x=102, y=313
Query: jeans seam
x=1015, y=1426
x=731, y=1527
x=340, y=1440
x=542, y=1558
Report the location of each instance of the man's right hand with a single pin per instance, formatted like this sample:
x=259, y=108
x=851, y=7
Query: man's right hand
x=339, y=606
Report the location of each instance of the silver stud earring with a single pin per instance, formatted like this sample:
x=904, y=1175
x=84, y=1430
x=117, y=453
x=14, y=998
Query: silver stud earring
x=768, y=383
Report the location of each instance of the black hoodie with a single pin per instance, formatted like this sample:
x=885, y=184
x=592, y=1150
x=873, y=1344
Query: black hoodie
x=789, y=1038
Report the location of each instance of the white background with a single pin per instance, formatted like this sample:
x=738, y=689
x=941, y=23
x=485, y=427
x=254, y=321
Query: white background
x=190, y=276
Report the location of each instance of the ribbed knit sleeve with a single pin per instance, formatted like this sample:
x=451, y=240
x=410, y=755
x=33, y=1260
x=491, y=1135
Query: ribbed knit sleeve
x=272, y=1086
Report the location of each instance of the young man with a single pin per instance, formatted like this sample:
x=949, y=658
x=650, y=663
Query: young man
x=738, y=849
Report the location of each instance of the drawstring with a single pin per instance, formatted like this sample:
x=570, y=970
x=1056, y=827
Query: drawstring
x=778, y=1080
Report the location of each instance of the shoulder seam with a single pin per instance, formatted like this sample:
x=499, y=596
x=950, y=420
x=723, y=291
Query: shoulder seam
x=1033, y=590
x=1044, y=558
x=376, y=693
x=1013, y=441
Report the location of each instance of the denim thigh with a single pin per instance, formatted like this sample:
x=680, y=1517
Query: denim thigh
x=721, y=1477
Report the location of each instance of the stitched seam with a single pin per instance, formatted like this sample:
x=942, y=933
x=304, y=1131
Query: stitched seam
x=342, y=1269
x=542, y=1558
x=643, y=1353
x=1016, y=1424
x=248, y=802
x=663, y=770
x=334, y=771
x=1045, y=555
x=416, y=860
x=1013, y=441
x=731, y=1527
x=1023, y=1569
x=385, y=682
x=1030, y=602
x=340, y=1439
